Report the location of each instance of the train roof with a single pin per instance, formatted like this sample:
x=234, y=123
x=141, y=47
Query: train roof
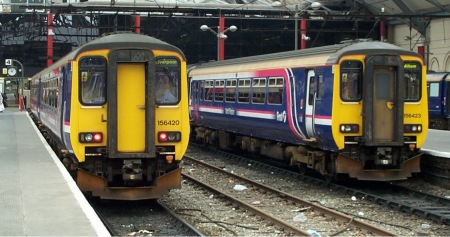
x=124, y=40
x=117, y=41
x=438, y=76
x=306, y=57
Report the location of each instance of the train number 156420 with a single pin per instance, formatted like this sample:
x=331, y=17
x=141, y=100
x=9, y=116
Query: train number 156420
x=168, y=122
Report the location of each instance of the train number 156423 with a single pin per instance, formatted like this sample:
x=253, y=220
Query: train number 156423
x=412, y=116
x=168, y=122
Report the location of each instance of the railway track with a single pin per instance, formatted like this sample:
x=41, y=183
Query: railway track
x=404, y=199
x=437, y=170
x=409, y=201
x=310, y=216
x=430, y=211
x=142, y=218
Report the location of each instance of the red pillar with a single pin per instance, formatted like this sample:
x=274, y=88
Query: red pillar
x=382, y=29
x=137, y=24
x=221, y=41
x=421, y=50
x=20, y=103
x=49, y=39
x=302, y=32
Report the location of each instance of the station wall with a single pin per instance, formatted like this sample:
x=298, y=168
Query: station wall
x=436, y=43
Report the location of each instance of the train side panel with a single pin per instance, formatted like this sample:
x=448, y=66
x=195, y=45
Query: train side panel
x=438, y=94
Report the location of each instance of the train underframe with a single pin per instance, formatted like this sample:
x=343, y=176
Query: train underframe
x=355, y=161
x=119, y=179
x=128, y=179
x=439, y=123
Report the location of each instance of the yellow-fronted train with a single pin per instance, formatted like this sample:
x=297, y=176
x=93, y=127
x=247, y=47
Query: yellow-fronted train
x=99, y=109
x=356, y=109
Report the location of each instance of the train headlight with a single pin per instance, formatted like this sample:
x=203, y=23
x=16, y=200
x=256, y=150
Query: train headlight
x=349, y=128
x=412, y=128
x=169, y=136
x=90, y=137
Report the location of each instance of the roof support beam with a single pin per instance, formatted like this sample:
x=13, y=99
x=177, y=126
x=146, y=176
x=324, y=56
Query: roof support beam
x=438, y=5
x=414, y=22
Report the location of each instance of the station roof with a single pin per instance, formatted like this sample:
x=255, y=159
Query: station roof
x=416, y=13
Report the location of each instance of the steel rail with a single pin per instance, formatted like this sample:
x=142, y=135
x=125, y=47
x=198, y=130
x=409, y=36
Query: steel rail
x=340, y=216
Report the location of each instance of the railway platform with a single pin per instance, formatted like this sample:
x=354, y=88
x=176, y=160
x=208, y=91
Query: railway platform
x=437, y=143
x=38, y=197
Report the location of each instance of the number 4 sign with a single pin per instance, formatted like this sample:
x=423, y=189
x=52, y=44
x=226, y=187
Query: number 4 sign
x=8, y=62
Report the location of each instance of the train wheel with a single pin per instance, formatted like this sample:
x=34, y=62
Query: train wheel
x=330, y=168
x=302, y=168
x=329, y=178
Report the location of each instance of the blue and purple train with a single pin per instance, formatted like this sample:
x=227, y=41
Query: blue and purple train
x=438, y=92
x=356, y=109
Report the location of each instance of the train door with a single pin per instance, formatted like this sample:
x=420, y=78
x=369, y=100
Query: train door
x=130, y=103
x=131, y=98
x=194, y=99
x=61, y=103
x=310, y=102
x=383, y=100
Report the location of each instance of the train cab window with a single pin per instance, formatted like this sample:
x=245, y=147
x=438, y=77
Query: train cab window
x=167, y=87
x=275, y=91
x=413, y=80
x=351, y=80
x=231, y=90
x=92, y=74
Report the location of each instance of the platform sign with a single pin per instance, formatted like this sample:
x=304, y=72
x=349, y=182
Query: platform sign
x=8, y=62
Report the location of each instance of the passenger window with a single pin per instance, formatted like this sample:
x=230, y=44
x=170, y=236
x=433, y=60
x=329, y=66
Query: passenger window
x=209, y=90
x=195, y=91
x=275, y=91
x=259, y=90
x=434, y=89
x=243, y=90
x=167, y=87
x=218, y=90
x=92, y=74
x=351, y=80
x=231, y=90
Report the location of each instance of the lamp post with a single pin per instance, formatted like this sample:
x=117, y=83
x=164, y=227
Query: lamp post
x=220, y=34
x=296, y=14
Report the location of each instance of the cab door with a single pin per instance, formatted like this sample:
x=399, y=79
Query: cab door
x=131, y=121
x=131, y=104
x=383, y=104
x=383, y=101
